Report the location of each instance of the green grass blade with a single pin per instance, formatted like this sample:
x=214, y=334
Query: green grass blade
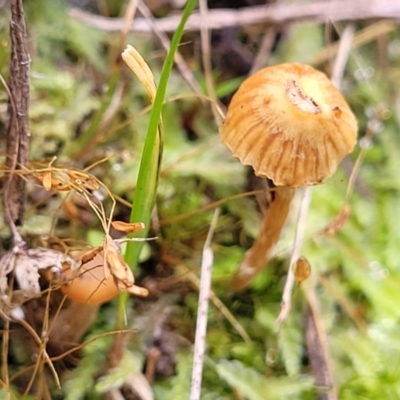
x=146, y=187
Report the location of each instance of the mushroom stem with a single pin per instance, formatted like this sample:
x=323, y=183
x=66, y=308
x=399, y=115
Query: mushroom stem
x=259, y=254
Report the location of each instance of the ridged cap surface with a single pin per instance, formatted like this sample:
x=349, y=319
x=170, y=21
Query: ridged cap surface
x=290, y=124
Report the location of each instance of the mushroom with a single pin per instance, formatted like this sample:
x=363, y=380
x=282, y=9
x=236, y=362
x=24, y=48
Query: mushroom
x=91, y=283
x=294, y=127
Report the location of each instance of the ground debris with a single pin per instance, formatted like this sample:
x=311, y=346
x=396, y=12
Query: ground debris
x=25, y=265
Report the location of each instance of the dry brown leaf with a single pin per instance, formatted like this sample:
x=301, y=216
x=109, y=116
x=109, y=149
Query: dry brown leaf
x=127, y=227
x=26, y=263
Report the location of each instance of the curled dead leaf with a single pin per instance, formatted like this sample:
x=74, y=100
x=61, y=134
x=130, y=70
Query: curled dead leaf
x=127, y=227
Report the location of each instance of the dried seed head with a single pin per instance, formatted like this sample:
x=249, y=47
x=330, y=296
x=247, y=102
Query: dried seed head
x=290, y=124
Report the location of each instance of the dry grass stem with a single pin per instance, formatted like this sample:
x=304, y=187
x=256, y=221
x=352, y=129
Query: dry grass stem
x=180, y=62
x=297, y=243
x=346, y=40
x=318, y=348
x=202, y=311
x=206, y=58
x=222, y=308
x=362, y=37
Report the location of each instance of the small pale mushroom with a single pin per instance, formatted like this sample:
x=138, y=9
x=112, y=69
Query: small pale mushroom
x=91, y=283
x=294, y=127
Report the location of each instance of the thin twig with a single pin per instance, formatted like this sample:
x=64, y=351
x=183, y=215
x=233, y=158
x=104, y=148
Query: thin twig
x=346, y=40
x=264, y=51
x=318, y=348
x=4, y=350
x=317, y=12
x=128, y=18
x=215, y=204
x=365, y=144
x=298, y=241
x=59, y=357
x=42, y=353
x=223, y=309
x=202, y=312
x=363, y=36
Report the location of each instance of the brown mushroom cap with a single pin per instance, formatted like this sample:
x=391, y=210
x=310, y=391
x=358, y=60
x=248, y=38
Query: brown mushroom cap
x=290, y=124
